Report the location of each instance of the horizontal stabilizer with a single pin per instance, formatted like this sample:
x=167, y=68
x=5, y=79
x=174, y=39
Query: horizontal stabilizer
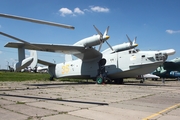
x=46, y=63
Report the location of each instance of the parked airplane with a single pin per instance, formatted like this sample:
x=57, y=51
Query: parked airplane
x=91, y=63
x=169, y=69
x=147, y=76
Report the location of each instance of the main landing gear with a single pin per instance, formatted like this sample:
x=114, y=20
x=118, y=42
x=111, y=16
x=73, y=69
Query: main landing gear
x=102, y=73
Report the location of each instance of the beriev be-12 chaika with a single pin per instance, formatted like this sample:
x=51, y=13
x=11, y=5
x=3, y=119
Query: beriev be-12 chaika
x=114, y=63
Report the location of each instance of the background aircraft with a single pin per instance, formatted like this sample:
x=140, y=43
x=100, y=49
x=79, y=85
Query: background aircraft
x=146, y=76
x=91, y=63
x=169, y=69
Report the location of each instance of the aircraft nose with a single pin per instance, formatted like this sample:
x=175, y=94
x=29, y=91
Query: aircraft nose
x=168, y=51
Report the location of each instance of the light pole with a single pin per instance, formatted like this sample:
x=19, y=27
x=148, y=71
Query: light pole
x=54, y=61
x=7, y=65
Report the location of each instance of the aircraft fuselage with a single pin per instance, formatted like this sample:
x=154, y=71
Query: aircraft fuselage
x=129, y=63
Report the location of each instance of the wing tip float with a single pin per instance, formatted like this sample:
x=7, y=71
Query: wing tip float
x=37, y=21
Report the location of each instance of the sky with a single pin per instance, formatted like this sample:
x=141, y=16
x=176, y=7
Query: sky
x=155, y=23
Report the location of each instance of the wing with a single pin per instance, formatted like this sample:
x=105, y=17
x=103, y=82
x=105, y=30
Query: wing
x=78, y=51
x=36, y=21
x=171, y=66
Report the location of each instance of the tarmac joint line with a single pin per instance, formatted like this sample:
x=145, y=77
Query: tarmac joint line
x=161, y=112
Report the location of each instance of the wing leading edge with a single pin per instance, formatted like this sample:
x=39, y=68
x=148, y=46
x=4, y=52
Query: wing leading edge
x=78, y=51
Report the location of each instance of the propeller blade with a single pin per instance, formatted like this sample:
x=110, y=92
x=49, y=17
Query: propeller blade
x=36, y=21
x=7, y=35
x=109, y=46
x=129, y=40
x=106, y=31
x=101, y=35
x=134, y=40
x=100, y=46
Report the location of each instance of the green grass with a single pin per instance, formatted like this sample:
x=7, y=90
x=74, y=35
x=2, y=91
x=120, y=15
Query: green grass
x=28, y=76
x=23, y=76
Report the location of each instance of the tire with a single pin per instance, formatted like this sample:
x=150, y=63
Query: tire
x=99, y=80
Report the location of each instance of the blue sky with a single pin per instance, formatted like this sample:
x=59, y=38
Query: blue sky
x=154, y=22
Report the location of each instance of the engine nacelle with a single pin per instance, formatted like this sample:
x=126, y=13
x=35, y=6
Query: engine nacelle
x=91, y=41
x=120, y=47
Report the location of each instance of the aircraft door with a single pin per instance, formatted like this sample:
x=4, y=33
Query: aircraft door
x=143, y=59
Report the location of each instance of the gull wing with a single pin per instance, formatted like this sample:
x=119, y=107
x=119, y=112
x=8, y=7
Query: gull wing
x=78, y=51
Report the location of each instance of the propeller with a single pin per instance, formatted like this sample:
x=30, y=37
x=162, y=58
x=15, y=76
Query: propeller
x=132, y=42
x=36, y=21
x=10, y=36
x=103, y=37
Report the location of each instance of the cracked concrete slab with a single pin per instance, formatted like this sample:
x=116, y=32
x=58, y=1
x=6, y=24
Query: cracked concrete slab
x=64, y=100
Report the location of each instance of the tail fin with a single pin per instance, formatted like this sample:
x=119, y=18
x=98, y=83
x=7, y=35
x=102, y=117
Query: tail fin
x=25, y=62
x=68, y=57
x=33, y=54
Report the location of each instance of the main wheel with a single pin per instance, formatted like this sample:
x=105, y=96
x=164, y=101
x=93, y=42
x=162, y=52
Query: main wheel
x=51, y=78
x=99, y=80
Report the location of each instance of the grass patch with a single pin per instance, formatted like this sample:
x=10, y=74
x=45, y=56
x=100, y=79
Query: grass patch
x=29, y=76
x=18, y=102
x=23, y=76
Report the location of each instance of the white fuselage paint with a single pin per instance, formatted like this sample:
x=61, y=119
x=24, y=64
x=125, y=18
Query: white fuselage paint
x=119, y=65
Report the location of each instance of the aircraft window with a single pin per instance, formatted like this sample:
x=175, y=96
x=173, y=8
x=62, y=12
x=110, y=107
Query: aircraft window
x=143, y=55
x=134, y=51
x=137, y=50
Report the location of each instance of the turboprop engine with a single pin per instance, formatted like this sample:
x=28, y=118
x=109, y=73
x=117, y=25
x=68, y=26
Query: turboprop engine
x=122, y=47
x=94, y=40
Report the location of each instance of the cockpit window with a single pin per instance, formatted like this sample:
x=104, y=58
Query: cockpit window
x=133, y=51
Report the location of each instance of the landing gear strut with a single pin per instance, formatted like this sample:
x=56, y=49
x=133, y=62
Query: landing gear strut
x=102, y=73
x=51, y=78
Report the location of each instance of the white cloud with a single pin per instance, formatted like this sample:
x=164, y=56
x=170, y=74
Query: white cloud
x=99, y=9
x=0, y=52
x=65, y=11
x=78, y=11
x=172, y=31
